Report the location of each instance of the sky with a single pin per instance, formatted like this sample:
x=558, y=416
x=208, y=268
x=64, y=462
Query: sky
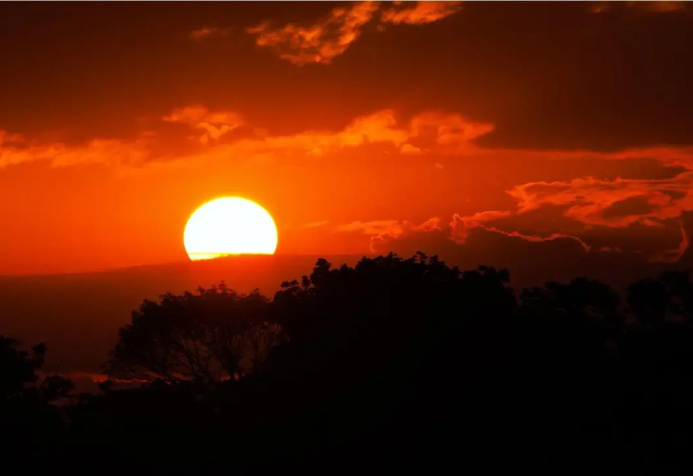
x=551, y=130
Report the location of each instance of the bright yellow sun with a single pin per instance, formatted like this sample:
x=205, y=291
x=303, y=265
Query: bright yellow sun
x=229, y=226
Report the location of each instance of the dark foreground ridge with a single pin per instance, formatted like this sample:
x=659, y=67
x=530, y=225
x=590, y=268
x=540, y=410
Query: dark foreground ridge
x=392, y=365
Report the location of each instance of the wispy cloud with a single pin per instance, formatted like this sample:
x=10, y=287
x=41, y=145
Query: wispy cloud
x=374, y=227
x=378, y=128
x=333, y=34
x=450, y=132
x=657, y=6
x=316, y=224
x=418, y=13
x=214, y=124
x=16, y=151
x=396, y=229
x=461, y=225
x=209, y=32
x=320, y=42
x=457, y=230
x=611, y=203
x=390, y=235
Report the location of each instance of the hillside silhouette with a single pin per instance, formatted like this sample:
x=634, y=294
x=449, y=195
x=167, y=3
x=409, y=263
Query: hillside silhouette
x=390, y=365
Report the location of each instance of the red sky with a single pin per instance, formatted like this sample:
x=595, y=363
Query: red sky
x=361, y=127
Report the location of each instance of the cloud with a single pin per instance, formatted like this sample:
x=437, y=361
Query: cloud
x=419, y=13
x=316, y=224
x=673, y=255
x=461, y=225
x=532, y=257
x=376, y=227
x=208, y=32
x=318, y=43
x=15, y=150
x=387, y=233
x=659, y=6
x=395, y=229
x=617, y=204
x=588, y=201
x=537, y=238
x=686, y=258
x=633, y=205
x=609, y=249
x=214, y=124
x=101, y=151
x=597, y=7
x=424, y=133
x=7, y=139
x=409, y=149
x=621, y=203
x=437, y=131
x=610, y=203
x=383, y=231
x=669, y=156
x=378, y=128
x=452, y=132
x=333, y=34
x=372, y=227
x=643, y=7
x=442, y=133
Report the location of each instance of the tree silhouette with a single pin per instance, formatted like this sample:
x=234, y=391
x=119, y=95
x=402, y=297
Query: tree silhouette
x=393, y=363
x=668, y=296
x=18, y=367
x=32, y=427
x=210, y=336
x=20, y=379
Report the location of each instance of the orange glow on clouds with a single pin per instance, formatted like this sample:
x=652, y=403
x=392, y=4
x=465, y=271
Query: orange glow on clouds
x=323, y=41
x=420, y=12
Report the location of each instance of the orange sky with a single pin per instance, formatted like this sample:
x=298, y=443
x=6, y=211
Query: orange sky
x=361, y=127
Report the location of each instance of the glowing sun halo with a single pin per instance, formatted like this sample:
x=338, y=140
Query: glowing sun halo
x=229, y=226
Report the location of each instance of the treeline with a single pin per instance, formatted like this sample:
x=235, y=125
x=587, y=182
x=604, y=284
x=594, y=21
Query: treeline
x=392, y=365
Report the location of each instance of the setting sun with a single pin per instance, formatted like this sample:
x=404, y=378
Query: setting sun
x=229, y=226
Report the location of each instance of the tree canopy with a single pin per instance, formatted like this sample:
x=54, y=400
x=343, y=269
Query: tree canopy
x=395, y=362
x=210, y=336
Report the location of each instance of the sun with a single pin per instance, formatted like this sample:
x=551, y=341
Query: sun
x=229, y=226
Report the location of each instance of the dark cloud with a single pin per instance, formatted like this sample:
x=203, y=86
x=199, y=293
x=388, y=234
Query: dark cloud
x=642, y=240
x=638, y=205
x=530, y=262
x=686, y=259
